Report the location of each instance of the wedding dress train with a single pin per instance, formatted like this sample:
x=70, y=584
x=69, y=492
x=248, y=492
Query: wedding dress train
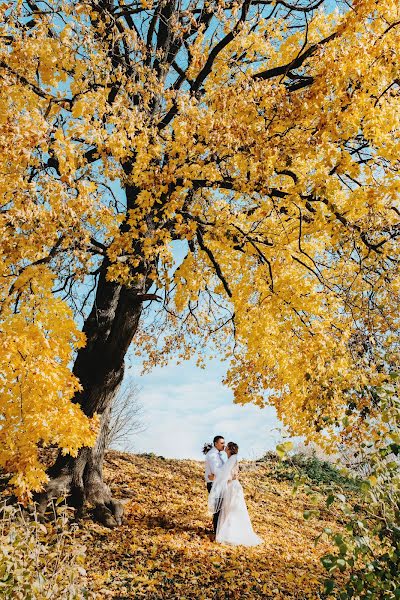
x=234, y=525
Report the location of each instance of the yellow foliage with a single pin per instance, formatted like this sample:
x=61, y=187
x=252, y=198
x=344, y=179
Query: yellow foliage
x=38, y=334
x=36, y=383
x=274, y=158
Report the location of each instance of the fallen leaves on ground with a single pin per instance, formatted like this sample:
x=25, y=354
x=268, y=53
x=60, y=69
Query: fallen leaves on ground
x=164, y=549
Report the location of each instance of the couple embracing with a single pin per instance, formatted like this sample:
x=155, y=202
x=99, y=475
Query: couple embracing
x=226, y=501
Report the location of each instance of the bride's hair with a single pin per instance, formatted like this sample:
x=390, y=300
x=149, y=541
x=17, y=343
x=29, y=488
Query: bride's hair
x=234, y=448
x=207, y=447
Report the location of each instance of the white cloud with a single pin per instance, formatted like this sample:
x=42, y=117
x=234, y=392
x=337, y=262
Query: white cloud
x=186, y=406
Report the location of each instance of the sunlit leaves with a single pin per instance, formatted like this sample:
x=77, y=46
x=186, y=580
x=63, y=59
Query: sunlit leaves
x=36, y=383
x=267, y=146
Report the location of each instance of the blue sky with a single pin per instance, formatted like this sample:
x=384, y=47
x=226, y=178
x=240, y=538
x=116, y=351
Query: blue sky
x=185, y=406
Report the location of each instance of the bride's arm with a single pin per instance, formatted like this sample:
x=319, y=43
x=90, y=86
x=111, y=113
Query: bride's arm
x=234, y=473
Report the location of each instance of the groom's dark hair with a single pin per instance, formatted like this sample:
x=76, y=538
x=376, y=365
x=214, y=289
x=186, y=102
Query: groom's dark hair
x=217, y=438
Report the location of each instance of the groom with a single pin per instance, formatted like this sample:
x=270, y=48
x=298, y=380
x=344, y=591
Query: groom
x=214, y=461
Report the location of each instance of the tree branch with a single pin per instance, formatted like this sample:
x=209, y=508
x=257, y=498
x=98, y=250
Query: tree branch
x=216, y=266
x=295, y=63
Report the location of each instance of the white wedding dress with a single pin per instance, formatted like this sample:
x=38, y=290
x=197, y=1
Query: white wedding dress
x=234, y=525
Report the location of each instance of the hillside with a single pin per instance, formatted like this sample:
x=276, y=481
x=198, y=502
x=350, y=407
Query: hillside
x=163, y=550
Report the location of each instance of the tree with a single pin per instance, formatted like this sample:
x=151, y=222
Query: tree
x=126, y=419
x=261, y=134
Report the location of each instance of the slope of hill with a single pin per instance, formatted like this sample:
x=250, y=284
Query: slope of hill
x=164, y=551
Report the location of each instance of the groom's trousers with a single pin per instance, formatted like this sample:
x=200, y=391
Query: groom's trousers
x=216, y=515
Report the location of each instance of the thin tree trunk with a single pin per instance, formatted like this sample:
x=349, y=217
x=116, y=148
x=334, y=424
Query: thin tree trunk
x=109, y=329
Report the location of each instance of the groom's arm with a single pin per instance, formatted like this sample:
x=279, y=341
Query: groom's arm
x=213, y=463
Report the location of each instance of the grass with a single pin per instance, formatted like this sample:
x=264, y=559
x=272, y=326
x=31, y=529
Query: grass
x=322, y=473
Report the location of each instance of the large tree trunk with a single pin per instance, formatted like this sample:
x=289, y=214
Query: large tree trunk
x=109, y=330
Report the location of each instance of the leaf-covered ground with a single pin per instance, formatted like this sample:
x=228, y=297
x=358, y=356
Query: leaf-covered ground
x=164, y=549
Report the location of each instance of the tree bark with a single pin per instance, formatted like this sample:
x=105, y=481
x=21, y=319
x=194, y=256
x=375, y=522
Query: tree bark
x=109, y=329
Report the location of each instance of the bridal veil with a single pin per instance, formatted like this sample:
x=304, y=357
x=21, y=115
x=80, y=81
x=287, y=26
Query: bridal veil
x=220, y=484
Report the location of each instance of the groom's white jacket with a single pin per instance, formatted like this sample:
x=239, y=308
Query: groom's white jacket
x=214, y=461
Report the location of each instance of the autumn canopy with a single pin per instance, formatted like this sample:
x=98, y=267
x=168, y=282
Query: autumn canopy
x=263, y=136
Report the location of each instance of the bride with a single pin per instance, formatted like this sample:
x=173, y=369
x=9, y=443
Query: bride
x=226, y=495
